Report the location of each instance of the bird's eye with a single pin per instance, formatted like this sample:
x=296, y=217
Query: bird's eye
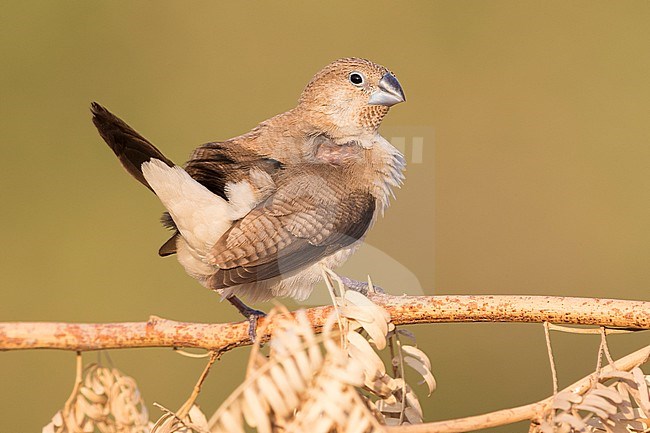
x=356, y=78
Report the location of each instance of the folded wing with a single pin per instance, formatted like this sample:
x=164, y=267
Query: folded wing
x=300, y=224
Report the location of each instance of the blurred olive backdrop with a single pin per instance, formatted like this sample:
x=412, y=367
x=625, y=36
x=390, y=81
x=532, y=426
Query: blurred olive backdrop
x=526, y=130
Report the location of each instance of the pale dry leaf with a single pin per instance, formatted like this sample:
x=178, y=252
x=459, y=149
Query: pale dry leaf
x=573, y=421
x=616, y=426
x=564, y=400
x=361, y=300
x=313, y=384
x=55, y=423
x=321, y=425
x=390, y=408
x=197, y=418
x=93, y=396
x=298, y=383
x=303, y=363
x=638, y=422
x=618, y=375
x=609, y=394
x=612, y=409
x=231, y=421
x=331, y=398
x=598, y=411
x=412, y=416
x=258, y=415
x=383, y=387
x=106, y=400
x=603, y=404
x=274, y=389
x=93, y=411
x=356, y=313
x=562, y=404
x=389, y=400
x=361, y=350
x=418, y=354
x=392, y=422
x=642, y=388
x=357, y=421
x=272, y=395
x=412, y=401
x=289, y=394
x=126, y=403
x=626, y=405
x=313, y=349
x=244, y=410
x=375, y=321
x=422, y=369
x=352, y=374
x=397, y=383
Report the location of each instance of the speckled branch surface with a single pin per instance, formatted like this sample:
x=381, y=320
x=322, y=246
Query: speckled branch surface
x=158, y=332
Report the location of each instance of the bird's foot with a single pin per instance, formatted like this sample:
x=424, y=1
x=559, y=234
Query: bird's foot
x=251, y=314
x=360, y=286
x=253, y=317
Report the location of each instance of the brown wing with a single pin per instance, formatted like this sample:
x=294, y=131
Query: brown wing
x=215, y=164
x=293, y=229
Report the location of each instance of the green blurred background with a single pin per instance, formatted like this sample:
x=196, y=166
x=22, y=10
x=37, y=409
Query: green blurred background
x=533, y=176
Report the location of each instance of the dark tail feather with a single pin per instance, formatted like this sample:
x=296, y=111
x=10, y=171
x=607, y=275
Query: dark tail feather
x=130, y=147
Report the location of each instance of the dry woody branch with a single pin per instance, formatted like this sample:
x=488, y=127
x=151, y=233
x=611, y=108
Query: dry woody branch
x=158, y=332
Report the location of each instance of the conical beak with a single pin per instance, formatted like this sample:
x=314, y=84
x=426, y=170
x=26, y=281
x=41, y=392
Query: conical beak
x=389, y=92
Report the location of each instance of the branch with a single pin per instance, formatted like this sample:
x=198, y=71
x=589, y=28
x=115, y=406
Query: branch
x=521, y=413
x=157, y=332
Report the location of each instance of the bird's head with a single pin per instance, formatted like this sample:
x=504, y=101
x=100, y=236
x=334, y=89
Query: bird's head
x=350, y=97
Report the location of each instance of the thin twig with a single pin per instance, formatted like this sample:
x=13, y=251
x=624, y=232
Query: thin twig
x=599, y=364
x=185, y=408
x=551, y=359
x=403, y=376
x=591, y=331
x=75, y=390
x=603, y=339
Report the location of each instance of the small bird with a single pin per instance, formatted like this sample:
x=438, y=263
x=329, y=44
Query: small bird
x=259, y=214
